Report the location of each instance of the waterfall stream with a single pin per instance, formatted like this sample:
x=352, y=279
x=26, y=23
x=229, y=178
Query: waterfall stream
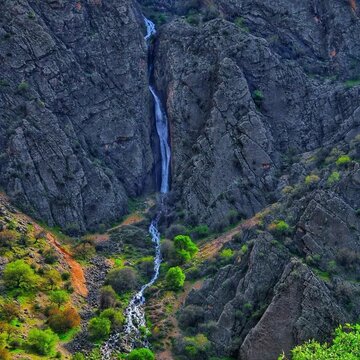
x=135, y=321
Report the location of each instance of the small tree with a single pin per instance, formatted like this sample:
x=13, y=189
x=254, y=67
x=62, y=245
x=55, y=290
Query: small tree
x=121, y=280
x=107, y=297
x=99, y=328
x=62, y=321
x=52, y=279
x=78, y=356
x=59, y=297
x=116, y=318
x=43, y=342
x=141, y=354
x=185, y=247
x=19, y=275
x=175, y=278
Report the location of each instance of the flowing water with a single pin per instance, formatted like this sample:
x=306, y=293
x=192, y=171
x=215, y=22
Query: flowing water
x=132, y=334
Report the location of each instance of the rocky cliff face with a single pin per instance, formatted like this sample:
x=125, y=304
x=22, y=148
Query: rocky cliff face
x=248, y=87
x=75, y=130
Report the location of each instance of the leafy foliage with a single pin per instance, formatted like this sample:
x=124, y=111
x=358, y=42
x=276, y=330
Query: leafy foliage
x=175, y=278
x=121, y=280
x=99, y=328
x=185, y=248
x=345, y=346
x=141, y=354
x=42, y=342
x=19, y=275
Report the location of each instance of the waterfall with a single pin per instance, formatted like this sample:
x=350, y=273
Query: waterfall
x=131, y=335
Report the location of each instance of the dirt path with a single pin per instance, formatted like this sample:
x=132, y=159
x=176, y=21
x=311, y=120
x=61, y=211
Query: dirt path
x=210, y=249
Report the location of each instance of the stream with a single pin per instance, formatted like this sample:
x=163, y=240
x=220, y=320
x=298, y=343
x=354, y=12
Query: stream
x=132, y=334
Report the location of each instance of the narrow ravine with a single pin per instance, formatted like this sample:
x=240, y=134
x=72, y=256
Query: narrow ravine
x=132, y=336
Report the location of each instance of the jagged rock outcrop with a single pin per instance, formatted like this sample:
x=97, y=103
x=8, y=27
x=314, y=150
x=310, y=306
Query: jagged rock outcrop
x=75, y=129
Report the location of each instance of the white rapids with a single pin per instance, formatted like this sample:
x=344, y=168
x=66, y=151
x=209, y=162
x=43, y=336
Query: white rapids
x=135, y=321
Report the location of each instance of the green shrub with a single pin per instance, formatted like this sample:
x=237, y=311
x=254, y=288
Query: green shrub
x=19, y=275
x=244, y=248
x=196, y=347
x=23, y=86
x=59, y=297
x=312, y=179
x=185, y=248
x=227, y=254
x=116, y=317
x=175, y=278
x=343, y=160
x=123, y=279
x=78, y=356
x=346, y=345
x=107, y=297
x=258, y=97
x=333, y=178
x=279, y=227
x=99, y=328
x=141, y=354
x=200, y=231
x=43, y=342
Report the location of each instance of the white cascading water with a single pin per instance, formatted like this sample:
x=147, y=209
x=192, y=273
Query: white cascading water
x=135, y=313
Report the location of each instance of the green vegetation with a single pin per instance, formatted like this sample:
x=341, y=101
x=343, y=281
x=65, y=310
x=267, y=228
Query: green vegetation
x=185, y=248
x=196, y=347
x=333, y=178
x=175, y=278
x=345, y=346
x=99, y=328
x=122, y=280
x=351, y=83
x=279, y=227
x=258, y=97
x=43, y=342
x=343, y=160
x=19, y=275
x=312, y=179
x=116, y=317
x=59, y=297
x=239, y=21
x=141, y=354
x=227, y=254
x=23, y=86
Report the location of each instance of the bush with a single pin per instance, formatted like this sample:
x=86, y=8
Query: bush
x=19, y=275
x=141, y=354
x=59, y=297
x=99, y=328
x=346, y=345
x=9, y=310
x=200, y=231
x=116, y=317
x=122, y=280
x=258, y=97
x=43, y=342
x=196, y=347
x=5, y=354
x=52, y=279
x=279, y=227
x=175, y=278
x=107, y=297
x=7, y=237
x=63, y=321
x=185, y=248
x=343, y=160
x=78, y=356
x=227, y=254
x=312, y=180
x=333, y=178
x=23, y=86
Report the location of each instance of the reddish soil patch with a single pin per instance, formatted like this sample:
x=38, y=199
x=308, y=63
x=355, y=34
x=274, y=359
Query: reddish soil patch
x=76, y=271
x=353, y=5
